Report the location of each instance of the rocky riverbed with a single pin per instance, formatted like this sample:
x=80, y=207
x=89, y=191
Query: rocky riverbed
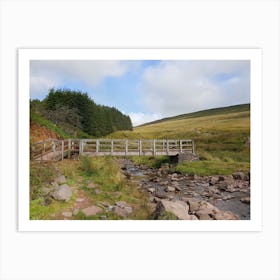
x=192, y=197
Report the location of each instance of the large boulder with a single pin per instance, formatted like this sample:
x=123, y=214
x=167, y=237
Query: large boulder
x=238, y=175
x=60, y=179
x=246, y=200
x=122, y=209
x=227, y=215
x=91, y=210
x=178, y=209
x=206, y=211
x=194, y=204
x=62, y=192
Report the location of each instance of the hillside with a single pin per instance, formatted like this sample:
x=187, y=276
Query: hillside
x=219, y=134
x=39, y=133
x=205, y=113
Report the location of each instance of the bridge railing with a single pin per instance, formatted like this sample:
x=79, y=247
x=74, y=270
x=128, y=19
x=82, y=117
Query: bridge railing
x=39, y=149
x=53, y=149
x=134, y=147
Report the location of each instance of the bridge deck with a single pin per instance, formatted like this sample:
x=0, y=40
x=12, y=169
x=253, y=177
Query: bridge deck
x=52, y=149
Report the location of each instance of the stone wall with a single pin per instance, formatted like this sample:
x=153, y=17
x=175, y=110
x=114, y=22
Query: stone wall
x=184, y=157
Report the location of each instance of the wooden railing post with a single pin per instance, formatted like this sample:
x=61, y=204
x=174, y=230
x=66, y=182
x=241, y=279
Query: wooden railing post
x=53, y=146
x=154, y=147
x=81, y=147
x=193, y=150
x=126, y=147
x=167, y=147
x=97, y=146
x=181, y=149
x=140, y=147
x=112, y=147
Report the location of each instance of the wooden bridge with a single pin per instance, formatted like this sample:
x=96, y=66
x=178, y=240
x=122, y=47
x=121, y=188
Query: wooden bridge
x=53, y=150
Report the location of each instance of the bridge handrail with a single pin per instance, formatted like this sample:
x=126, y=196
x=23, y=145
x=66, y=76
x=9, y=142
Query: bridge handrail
x=106, y=146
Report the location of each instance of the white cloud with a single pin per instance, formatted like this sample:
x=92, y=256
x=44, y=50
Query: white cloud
x=176, y=87
x=47, y=74
x=40, y=85
x=140, y=118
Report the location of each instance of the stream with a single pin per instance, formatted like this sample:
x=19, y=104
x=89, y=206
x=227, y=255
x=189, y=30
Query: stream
x=224, y=192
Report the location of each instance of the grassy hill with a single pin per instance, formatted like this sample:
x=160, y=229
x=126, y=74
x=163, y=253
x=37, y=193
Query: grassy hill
x=205, y=113
x=220, y=134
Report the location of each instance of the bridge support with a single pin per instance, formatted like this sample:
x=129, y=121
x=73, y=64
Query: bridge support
x=184, y=157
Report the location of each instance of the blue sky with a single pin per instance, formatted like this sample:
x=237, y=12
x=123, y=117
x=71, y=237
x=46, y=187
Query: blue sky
x=147, y=89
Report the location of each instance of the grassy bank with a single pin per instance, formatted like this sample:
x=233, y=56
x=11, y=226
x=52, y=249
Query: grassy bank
x=201, y=167
x=207, y=168
x=110, y=186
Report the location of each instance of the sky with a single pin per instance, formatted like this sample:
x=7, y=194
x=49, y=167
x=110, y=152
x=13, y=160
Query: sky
x=147, y=90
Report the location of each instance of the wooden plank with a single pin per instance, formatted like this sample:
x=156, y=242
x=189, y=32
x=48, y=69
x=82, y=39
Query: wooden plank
x=112, y=147
x=126, y=147
x=140, y=147
x=97, y=146
x=193, y=151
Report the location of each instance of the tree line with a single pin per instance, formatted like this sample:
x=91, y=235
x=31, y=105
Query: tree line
x=75, y=110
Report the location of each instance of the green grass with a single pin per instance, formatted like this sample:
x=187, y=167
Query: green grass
x=40, y=212
x=153, y=162
x=49, y=125
x=41, y=175
x=106, y=173
x=167, y=216
x=103, y=171
x=207, y=168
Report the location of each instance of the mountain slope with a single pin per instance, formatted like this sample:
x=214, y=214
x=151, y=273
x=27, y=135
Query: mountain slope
x=205, y=113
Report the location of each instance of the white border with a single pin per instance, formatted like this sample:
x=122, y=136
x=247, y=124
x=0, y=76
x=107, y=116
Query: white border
x=254, y=55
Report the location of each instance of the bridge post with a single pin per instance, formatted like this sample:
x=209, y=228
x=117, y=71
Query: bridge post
x=154, y=147
x=140, y=147
x=112, y=147
x=97, y=146
x=167, y=147
x=81, y=147
x=193, y=150
x=53, y=146
x=126, y=147
x=181, y=149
